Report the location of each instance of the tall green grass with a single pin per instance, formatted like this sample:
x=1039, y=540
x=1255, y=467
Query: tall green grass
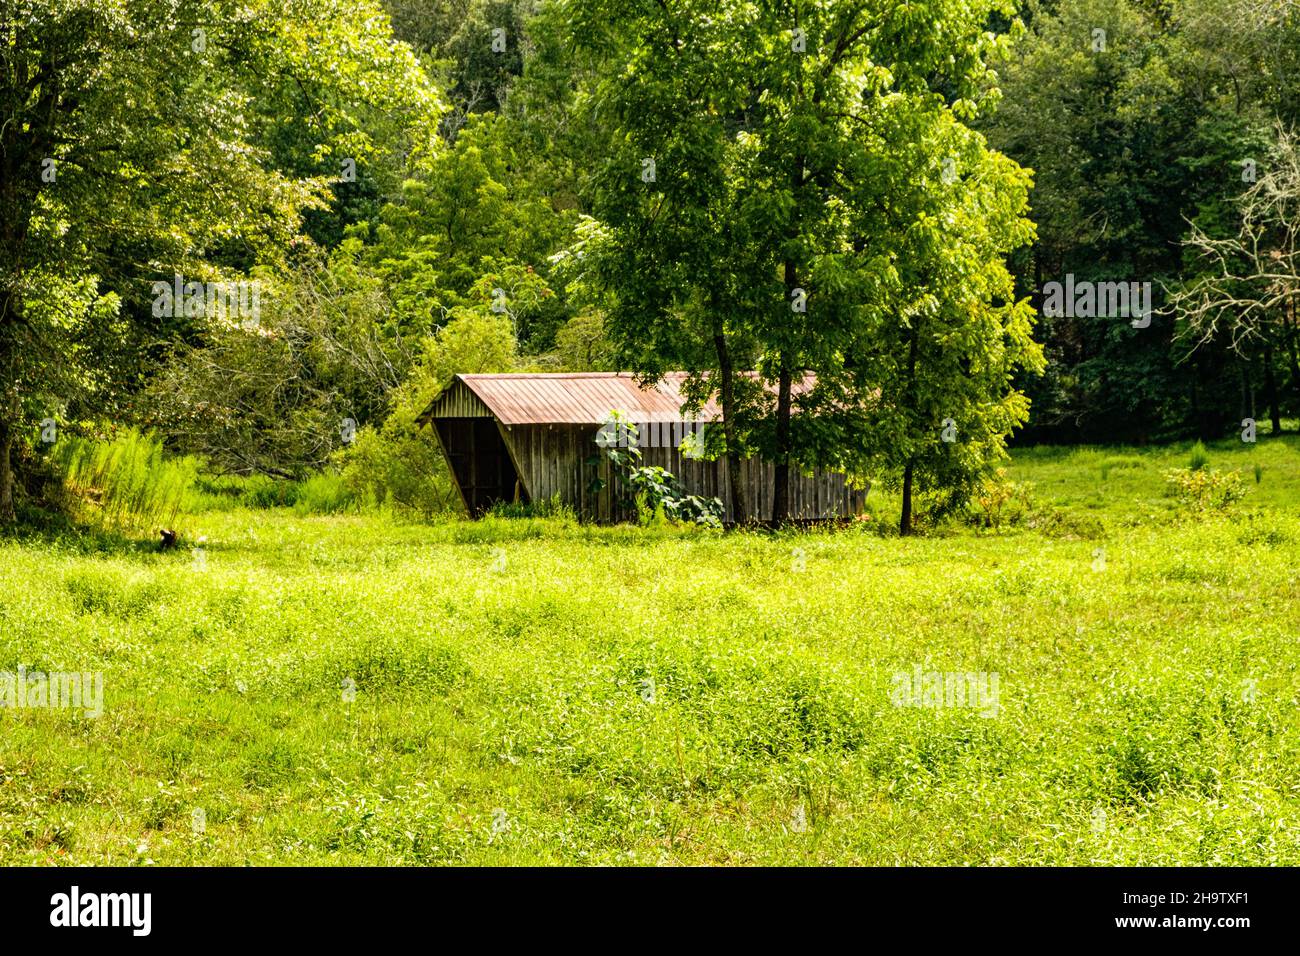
x=127, y=481
x=324, y=493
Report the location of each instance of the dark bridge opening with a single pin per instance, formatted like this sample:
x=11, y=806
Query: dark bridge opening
x=480, y=463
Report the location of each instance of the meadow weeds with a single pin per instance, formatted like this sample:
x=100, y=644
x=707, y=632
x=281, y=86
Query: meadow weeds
x=352, y=689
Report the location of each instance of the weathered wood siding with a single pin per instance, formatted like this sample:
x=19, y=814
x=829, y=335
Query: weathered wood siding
x=553, y=460
x=457, y=401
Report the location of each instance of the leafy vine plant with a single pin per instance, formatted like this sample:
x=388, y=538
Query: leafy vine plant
x=648, y=488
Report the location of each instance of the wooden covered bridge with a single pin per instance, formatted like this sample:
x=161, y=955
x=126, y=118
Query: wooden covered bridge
x=530, y=437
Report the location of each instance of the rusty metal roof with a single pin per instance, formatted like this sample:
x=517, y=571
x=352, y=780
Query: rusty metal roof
x=578, y=398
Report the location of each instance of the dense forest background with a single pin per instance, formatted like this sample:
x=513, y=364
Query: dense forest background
x=414, y=186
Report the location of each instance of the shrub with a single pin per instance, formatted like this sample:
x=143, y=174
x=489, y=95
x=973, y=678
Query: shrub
x=401, y=468
x=1200, y=457
x=1205, y=490
x=400, y=464
x=654, y=492
x=998, y=501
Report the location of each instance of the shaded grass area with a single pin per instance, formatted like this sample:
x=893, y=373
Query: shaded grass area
x=351, y=690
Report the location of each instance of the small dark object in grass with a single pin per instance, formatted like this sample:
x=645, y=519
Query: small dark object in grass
x=168, y=540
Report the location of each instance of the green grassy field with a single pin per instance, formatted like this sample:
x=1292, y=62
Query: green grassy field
x=353, y=690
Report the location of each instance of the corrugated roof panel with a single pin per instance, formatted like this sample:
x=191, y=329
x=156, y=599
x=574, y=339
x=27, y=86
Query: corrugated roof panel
x=581, y=398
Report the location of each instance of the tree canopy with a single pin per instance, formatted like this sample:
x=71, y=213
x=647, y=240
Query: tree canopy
x=841, y=217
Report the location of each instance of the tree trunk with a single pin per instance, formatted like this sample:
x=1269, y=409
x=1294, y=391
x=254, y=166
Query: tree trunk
x=1195, y=399
x=781, y=469
x=781, y=473
x=1270, y=389
x=1243, y=407
x=739, y=502
x=913, y=348
x=905, y=522
x=1292, y=357
x=7, y=515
